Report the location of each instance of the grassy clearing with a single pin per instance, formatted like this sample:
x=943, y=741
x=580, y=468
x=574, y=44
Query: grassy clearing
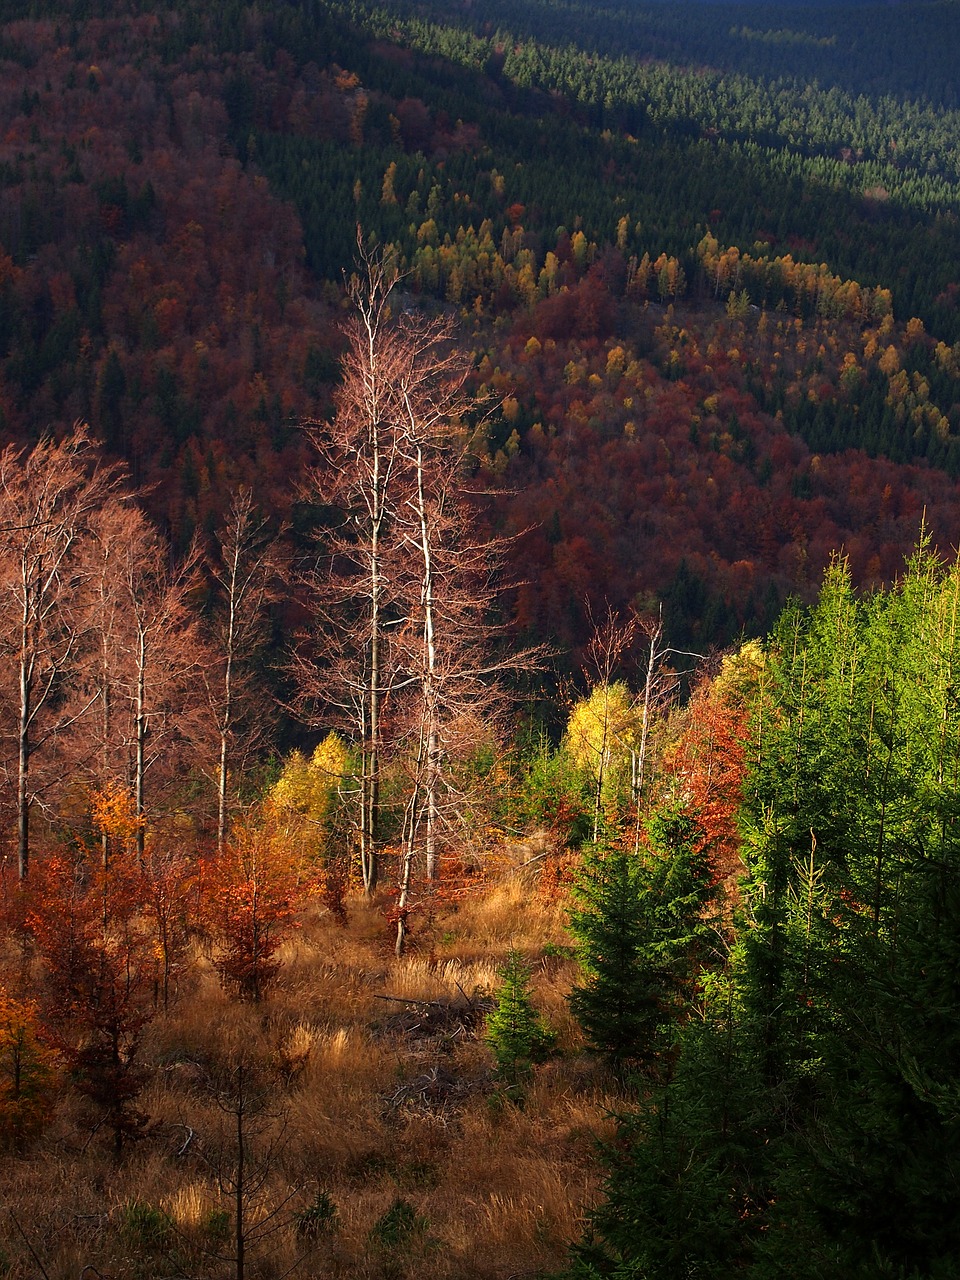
x=373, y=1147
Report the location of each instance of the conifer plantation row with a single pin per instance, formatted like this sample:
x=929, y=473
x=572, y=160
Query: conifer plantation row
x=479, y=719
x=799, y=1115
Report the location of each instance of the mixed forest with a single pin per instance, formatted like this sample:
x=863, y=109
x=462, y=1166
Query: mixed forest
x=479, y=640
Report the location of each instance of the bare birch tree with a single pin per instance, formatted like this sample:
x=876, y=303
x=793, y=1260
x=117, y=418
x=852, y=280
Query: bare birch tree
x=661, y=684
x=246, y=569
x=430, y=402
x=408, y=571
x=118, y=533
x=610, y=641
x=353, y=582
x=47, y=497
x=167, y=658
x=144, y=660
x=451, y=677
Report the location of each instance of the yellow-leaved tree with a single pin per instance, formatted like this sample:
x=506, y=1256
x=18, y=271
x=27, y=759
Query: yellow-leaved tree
x=305, y=796
x=603, y=735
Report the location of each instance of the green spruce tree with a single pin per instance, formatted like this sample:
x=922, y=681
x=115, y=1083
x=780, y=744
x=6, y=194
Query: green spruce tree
x=808, y=1126
x=620, y=998
x=641, y=937
x=685, y=1173
x=516, y=1033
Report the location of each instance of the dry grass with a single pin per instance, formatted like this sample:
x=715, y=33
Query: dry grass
x=496, y=1190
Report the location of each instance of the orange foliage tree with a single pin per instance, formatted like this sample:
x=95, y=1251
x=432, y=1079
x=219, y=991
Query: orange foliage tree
x=164, y=881
x=169, y=879
x=27, y=1073
x=250, y=894
x=99, y=978
x=710, y=761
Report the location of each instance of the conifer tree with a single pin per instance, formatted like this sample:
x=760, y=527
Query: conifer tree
x=685, y=1175
x=619, y=1000
x=642, y=937
x=849, y=977
x=515, y=1031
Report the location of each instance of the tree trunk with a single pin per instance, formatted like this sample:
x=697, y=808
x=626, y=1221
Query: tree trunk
x=140, y=733
x=23, y=778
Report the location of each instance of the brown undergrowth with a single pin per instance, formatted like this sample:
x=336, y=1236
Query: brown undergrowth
x=356, y=1108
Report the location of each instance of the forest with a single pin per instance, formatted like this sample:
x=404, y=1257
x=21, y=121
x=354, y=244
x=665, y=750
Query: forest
x=480, y=602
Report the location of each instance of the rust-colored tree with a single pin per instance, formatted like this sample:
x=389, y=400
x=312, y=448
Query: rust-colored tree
x=164, y=884
x=709, y=762
x=250, y=895
x=169, y=883
x=99, y=968
x=27, y=1074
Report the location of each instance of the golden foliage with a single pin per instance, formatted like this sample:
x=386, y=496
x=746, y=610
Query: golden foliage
x=303, y=798
x=27, y=1076
x=603, y=728
x=114, y=814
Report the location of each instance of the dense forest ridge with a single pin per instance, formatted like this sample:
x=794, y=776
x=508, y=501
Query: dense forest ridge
x=900, y=141
x=774, y=146
x=155, y=287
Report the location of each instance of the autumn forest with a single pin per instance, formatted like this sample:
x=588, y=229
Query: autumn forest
x=479, y=640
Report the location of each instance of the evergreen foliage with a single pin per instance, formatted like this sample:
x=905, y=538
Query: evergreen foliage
x=809, y=1126
x=686, y=1174
x=550, y=792
x=641, y=938
x=619, y=1002
x=850, y=973
x=399, y=1227
x=515, y=1031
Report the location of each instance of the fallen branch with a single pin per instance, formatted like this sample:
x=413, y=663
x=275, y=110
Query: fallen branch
x=33, y=1252
x=191, y=1134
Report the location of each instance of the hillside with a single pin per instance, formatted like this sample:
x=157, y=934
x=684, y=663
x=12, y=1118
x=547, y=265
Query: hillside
x=179, y=199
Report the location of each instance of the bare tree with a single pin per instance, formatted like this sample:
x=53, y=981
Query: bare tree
x=246, y=569
x=245, y=1156
x=102, y=761
x=143, y=659
x=612, y=725
x=434, y=522
x=408, y=563
x=661, y=684
x=47, y=497
x=452, y=677
x=167, y=655
x=360, y=457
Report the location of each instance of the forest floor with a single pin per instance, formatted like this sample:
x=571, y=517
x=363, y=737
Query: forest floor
x=352, y=1118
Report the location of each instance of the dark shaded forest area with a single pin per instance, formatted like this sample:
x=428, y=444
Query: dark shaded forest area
x=179, y=192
